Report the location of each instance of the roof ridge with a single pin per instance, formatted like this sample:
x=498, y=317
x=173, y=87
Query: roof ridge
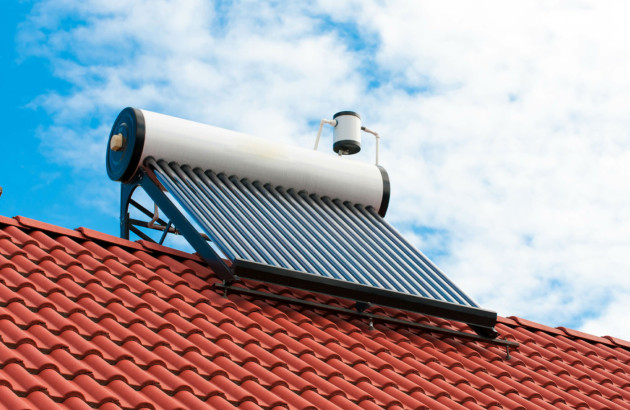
x=565, y=331
x=84, y=233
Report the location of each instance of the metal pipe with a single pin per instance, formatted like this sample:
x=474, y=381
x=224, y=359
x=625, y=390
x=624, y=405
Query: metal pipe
x=348, y=248
x=281, y=249
x=376, y=136
x=248, y=219
x=274, y=224
x=322, y=232
x=211, y=201
x=434, y=275
x=321, y=126
x=386, y=251
x=156, y=216
x=285, y=222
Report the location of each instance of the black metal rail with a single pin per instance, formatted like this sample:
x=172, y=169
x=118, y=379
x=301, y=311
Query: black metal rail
x=481, y=321
x=366, y=315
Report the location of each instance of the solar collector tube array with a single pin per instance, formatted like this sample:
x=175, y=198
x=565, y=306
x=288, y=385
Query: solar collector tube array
x=305, y=233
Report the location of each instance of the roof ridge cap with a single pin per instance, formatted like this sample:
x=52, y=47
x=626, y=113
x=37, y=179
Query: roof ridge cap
x=535, y=325
x=572, y=333
x=618, y=342
x=84, y=233
x=140, y=245
x=29, y=223
x=159, y=248
x=5, y=220
x=583, y=335
x=105, y=237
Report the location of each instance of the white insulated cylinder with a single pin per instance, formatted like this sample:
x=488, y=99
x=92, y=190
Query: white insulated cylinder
x=347, y=133
x=147, y=134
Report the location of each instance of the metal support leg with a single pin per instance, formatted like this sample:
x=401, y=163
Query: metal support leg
x=126, y=191
x=182, y=224
x=165, y=232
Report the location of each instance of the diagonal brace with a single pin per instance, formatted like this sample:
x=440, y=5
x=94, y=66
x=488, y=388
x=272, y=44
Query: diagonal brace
x=178, y=219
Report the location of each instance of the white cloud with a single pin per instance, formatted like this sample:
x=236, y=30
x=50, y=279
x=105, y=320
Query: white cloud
x=504, y=124
x=614, y=316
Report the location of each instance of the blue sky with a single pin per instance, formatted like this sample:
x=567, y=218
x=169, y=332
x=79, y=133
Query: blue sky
x=34, y=184
x=504, y=124
x=22, y=82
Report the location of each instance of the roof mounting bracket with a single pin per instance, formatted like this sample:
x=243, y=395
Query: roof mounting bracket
x=372, y=318
x=361, y=306
x=126, y=191
x=197, y=240
x=480, y=320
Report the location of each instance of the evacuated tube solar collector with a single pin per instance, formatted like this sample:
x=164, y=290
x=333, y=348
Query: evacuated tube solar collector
x=280, y=214
x=141, y=134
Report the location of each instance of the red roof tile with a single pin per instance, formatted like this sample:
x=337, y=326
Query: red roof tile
x=89, y=320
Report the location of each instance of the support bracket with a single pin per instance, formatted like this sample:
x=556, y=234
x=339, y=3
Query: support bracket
x=480, y=320
x=198, y=241
x=372, y=318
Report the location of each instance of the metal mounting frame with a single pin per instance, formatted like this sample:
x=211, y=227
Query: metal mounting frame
x=480, y=320
x=370, y=316
x=128, y=224
x=182, y=225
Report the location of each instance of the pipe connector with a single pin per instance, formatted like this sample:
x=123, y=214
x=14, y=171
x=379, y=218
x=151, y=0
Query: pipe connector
x=321, y=126
x=117, y=142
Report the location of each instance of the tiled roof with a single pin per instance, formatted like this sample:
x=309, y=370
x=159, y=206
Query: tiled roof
x=89, y=320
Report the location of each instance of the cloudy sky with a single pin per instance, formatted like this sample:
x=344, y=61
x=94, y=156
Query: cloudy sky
x=505, y=125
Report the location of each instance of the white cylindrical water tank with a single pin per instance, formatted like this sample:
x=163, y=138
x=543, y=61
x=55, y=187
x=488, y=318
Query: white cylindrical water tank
x=140, y=134
x=347, y=133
